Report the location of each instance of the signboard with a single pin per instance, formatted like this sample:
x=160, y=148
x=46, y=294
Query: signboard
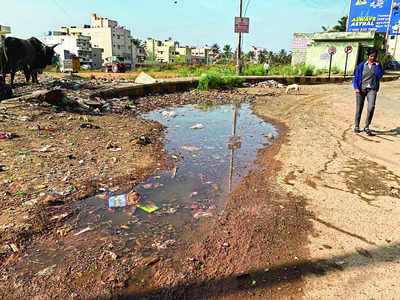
x=332, y=50
x=395, y=21
x=369, y=15
x=242, y=25
x=348, y=49
x=324, y=56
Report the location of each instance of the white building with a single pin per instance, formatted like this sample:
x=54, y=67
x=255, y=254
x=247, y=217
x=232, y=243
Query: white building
x=78, y=45
x=3, y=31
x=201, y=55
x=115, y=40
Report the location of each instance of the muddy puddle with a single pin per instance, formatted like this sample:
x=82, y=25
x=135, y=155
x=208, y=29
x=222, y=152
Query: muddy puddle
x=215, y=146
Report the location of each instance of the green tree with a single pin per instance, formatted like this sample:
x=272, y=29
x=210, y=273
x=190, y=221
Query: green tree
x=227, y=51
x=137, y=42
x=341, y=26
x=251, y=54
x=215, y=48
x=261, y=58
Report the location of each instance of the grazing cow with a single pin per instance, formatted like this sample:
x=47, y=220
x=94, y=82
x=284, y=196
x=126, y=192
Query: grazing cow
x=295, y=87
x=29, y=55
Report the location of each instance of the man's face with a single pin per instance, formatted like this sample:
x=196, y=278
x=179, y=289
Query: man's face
x=372, y=57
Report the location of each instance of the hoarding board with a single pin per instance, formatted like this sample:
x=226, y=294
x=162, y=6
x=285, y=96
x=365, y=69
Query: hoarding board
x=369, y=15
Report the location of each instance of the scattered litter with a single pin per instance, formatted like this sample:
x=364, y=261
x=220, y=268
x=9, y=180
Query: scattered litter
x=141, y=140
x=165, y=245
x=197, y=126
x=191, y=148
x=129, y=199
x=89, y=125
x=22, y=152
x=174, y=172
x=148, y=207
x=202, y=214
x=8, y=136
x=83, y=230
x=47, y=272
x=14, y=247
x=60, y=217
x=168, y=114
x=51, y=199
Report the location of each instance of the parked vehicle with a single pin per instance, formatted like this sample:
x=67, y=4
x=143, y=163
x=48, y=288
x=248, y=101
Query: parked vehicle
x=115, y=65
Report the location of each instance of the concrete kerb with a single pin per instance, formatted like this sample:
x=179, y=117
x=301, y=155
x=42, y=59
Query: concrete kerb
x=176, y=85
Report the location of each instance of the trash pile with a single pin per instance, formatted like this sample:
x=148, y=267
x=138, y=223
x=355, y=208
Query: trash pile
x=269, y=84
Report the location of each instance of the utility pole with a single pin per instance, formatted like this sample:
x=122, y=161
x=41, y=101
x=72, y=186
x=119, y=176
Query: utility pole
x=239, y=48
x=388, y=28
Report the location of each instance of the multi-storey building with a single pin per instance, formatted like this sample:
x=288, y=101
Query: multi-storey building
x=78, y=45
x=201, y=55
x=166, y=52
x=115, y=40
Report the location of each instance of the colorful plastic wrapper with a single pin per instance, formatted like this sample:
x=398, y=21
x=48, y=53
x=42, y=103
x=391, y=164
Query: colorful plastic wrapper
x=148, y=207
x=129, y=199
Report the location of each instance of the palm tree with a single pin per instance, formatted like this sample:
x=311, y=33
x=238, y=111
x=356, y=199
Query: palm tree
x=137, y=42
x=341, y=26
x=227, y=51
x=215, y=48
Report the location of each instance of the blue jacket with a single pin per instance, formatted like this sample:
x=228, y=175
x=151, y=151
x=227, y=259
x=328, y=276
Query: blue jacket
x=358, y=76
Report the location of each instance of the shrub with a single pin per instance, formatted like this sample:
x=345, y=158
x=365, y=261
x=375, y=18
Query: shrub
x=215, y=79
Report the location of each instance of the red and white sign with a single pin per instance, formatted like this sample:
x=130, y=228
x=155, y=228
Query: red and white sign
x=242, y=25
x=332, y=50
x=348, y=49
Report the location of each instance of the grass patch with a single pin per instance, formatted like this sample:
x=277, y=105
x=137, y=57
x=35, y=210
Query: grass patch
x=218, y=79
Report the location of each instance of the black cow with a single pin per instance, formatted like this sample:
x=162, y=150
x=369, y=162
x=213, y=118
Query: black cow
x=29, y=55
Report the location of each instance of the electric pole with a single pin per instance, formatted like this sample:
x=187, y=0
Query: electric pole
x=239, y=48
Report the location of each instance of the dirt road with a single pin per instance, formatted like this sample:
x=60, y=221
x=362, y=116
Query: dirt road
x=352, y=186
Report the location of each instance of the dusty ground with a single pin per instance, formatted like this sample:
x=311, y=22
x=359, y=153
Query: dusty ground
x=319, y=223
x=352, y=186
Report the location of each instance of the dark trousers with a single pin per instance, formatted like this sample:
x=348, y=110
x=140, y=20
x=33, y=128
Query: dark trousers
x=370, y=94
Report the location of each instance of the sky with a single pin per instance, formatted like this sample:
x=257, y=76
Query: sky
x=190, y=22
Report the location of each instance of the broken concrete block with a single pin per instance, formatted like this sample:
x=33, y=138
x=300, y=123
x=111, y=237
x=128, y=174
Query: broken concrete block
x=144, y=78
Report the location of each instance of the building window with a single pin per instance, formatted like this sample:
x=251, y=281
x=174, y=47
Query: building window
x=392, y=37
x=119, y=47
x=118, y=36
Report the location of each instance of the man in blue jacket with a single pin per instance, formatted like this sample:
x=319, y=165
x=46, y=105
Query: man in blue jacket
x=366, y=84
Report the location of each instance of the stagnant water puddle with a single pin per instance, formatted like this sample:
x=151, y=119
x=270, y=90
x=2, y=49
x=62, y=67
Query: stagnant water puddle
x=211, y=162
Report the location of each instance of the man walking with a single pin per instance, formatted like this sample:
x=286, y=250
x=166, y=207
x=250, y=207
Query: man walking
x=366, y=85
x=266, y=67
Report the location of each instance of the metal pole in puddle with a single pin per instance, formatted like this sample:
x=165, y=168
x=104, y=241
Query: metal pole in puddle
x=234, y=121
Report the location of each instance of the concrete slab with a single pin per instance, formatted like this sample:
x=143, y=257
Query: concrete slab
x=144, y=78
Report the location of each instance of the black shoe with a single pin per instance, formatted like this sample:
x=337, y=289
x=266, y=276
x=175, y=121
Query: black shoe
x=367, y=131
x=357, y=130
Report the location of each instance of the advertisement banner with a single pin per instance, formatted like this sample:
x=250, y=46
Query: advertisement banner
x=395, y=21
x=369, y=15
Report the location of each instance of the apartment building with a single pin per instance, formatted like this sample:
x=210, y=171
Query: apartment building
x=3, y=31
x=167, y=51
x=106, y=34
x=201, y=55
x=185, y=53
x=78, y=45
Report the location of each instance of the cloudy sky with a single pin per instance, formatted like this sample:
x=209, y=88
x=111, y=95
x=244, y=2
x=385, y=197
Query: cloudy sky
x=191, y=22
